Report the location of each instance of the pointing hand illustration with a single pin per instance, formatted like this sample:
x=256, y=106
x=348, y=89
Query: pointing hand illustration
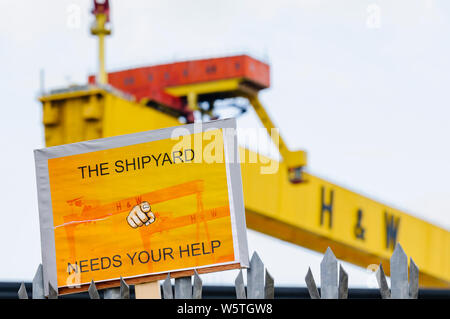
x=141, y=215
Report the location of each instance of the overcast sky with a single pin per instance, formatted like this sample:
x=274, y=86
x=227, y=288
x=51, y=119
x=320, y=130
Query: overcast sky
x=362, y=85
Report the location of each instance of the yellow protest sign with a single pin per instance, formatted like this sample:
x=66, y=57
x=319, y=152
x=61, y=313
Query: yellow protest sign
x=140, y=206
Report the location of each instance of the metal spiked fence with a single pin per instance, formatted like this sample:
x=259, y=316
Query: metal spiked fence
x=260, y=284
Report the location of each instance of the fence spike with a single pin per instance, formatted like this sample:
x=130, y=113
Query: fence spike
x=269, y=289
x=413, y=280
x=240, y=287
x=112, y=293
x=22, y=292
x=167, y=288
x=329, y=276
x=183, y=288
x=93, y=292
x=399, y=274
x=382, y=283
x=255, y=278
x=343, y=283
x=52, y=293
x=197, y=290
x=311, y=284
x=38, y=284
x=124, y=289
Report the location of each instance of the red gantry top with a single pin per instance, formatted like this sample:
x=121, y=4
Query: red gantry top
x=150, y=82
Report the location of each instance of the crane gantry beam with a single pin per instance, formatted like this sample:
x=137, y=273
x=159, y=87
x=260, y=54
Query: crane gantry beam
x=320, y=214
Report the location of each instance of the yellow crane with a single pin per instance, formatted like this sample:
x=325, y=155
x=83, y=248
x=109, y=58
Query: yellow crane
x=290, y=204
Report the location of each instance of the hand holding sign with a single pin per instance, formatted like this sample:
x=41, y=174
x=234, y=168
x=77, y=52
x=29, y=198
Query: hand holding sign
x=140, y=214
